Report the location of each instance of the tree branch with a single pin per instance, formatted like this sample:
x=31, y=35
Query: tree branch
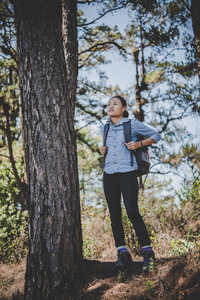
x=88, y=111
x=4, y=155
x=87, y=1
x=103, y=44
x=22, y=185
x=79, y=129
x=93, y=147
x=186, y=5
x=7, y=8
x=8, y=51
x=101, y=16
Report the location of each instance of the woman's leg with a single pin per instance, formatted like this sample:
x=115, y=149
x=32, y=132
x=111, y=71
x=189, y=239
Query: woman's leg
x=113, y=197
x=129, y=187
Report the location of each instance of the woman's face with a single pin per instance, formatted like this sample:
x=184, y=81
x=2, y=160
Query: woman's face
x=114, y=108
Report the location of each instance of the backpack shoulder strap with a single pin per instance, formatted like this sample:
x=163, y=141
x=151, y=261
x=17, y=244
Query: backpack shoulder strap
x=127, y=131
x=105, y=132
x=127, y=136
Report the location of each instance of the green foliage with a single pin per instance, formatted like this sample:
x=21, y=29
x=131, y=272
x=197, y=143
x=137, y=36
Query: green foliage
x=189, y=197
x=150, y=287
x=97, y=235
x=155, y=77
x=13, y=222
x=9, y=94
x=95, y=41
x=121, y=276
x=89, y=247
x=191, y=153
x=13, y=233
x=89, y=167
x=181, y=246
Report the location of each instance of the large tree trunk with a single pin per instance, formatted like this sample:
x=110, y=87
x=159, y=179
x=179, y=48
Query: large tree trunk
x=55, y=242
x=196, y=27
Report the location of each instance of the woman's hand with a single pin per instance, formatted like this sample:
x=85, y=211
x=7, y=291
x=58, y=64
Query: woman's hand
x=133, y=145
x=103, y=150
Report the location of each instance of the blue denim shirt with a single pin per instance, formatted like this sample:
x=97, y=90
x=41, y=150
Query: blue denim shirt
x=118, y=157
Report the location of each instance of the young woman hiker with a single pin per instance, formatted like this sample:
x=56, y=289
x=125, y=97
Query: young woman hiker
x=120, y=177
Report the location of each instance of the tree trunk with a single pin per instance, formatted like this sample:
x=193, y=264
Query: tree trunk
x=55, y=241
x=196, y=27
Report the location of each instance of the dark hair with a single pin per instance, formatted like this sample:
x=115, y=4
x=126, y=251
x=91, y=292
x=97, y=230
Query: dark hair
x=123, y=101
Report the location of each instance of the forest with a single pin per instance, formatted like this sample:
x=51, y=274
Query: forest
x=60, y=63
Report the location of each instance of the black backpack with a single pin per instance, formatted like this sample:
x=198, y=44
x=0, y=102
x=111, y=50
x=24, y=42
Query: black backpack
x=141, y=154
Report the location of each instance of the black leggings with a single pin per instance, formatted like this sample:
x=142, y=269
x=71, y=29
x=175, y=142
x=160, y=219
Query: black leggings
x=127, y=184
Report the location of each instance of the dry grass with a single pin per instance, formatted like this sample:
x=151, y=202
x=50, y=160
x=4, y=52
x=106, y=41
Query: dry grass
x=99, y=242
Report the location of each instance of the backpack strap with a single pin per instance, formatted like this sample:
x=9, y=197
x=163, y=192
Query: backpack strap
x=105, y=133
x=127, y=136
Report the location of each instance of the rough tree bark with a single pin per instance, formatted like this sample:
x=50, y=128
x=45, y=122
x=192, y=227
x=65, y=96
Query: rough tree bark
x=196, y=27
x=55, y=241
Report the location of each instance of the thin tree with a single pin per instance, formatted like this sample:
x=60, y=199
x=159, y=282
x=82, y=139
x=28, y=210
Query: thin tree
x=55, y=241
x=196, y=27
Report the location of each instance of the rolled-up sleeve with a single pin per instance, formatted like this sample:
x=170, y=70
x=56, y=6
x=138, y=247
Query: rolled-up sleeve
x=142, y=130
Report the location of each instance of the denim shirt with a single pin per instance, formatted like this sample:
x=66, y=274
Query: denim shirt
x=118, y=159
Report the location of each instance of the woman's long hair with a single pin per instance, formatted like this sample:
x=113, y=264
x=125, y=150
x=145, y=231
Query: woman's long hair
x=123, y=101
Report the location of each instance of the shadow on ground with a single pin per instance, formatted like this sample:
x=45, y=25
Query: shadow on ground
x=171, y=279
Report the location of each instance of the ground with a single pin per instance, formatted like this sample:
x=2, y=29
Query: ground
x=173, y=278
x=12, y=280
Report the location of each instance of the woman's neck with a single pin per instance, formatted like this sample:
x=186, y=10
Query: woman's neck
x=115, y=120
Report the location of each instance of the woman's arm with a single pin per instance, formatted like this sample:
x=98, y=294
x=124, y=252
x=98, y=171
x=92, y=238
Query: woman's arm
x=141, y=130
x=134, y=145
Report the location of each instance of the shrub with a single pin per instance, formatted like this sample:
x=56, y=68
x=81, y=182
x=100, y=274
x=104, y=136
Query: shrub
x=13, y=222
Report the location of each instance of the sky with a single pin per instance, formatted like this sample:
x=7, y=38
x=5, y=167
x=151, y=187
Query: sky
x=116, y=71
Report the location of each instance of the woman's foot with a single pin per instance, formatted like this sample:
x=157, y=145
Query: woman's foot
x=149, y=258
x=124, y=260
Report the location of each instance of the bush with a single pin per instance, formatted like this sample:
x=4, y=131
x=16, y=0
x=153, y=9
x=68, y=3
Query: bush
x=189, y=197
x=13, y=222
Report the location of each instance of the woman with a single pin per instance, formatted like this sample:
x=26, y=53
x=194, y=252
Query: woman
x=120, y=177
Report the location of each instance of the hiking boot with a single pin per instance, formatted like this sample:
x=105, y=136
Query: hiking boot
x=124, y=260
x=149, y=258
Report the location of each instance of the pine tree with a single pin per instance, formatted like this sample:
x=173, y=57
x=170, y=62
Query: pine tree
x=55, y=242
